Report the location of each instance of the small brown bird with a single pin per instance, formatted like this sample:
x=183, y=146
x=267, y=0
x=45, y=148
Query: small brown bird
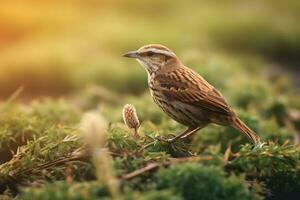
x=184, y=95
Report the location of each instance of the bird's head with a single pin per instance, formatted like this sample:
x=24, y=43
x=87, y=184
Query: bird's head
x=153, y=57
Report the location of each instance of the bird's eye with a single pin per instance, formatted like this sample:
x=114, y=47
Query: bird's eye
x=150, y=53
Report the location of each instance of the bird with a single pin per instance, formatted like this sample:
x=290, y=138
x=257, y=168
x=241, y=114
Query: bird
x=184, y=95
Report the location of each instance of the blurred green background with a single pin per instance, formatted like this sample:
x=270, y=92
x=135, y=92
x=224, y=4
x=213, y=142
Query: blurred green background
x=59, y=47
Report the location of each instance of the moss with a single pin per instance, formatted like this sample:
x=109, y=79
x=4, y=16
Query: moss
x=194, y=181
x=90, y=190
x=277, y=166
x=64, y=191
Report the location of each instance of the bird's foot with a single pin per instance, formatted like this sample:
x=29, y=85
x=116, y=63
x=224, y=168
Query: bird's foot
x=186, y=139
x=259, y=145
x=166, y=140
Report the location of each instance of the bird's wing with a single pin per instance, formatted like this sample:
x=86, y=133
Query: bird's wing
x=188, y=87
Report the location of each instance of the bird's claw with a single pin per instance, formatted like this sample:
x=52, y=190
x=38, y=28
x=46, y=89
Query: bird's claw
x=164, y=139
x=259, y=145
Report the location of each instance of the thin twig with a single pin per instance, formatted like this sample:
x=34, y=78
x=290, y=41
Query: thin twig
x=146, y=146
x=140, y=171
x=73, y=157
x=190, y=159
x=156, y=165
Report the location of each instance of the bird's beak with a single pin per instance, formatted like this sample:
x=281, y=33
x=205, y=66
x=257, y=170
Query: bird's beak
x=131, y=54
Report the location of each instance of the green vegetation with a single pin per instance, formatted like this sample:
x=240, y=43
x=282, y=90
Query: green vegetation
x=71, y=53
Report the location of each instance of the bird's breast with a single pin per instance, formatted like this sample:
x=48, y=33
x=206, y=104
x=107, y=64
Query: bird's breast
x=178, y=111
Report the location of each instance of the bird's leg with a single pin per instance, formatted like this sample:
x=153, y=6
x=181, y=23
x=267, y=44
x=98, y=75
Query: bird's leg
x=192, y=132
x=187, y=131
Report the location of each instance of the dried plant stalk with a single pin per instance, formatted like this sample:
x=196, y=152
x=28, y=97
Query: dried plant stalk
x=94, y=127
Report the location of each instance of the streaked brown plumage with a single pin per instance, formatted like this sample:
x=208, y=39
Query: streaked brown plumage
x=184, y=95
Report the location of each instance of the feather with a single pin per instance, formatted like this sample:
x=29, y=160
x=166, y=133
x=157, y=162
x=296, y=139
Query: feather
x=193, y=90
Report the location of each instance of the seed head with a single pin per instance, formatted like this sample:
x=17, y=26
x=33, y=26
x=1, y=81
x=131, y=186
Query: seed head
x=93, y=127
x=130, y=118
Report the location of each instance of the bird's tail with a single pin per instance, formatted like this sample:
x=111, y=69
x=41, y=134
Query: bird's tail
x=240, y=126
